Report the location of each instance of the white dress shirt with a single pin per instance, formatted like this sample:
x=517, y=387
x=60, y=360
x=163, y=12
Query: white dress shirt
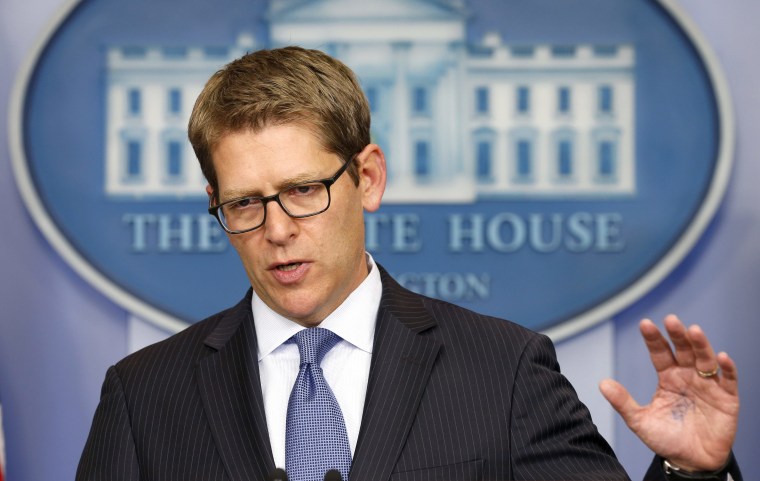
x=346, y=366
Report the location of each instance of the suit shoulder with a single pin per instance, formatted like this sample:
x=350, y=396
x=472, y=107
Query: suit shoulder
x=453, y=317
x=456, y=323
x=482, y=345
x=188, y=345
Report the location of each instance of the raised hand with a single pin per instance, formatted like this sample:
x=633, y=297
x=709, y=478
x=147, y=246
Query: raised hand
x=692, y=418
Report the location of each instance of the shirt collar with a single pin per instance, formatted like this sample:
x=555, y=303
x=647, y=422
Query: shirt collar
x=354, y=320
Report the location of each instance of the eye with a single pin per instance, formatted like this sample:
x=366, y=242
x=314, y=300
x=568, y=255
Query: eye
x=304, y=189
x=245, y=203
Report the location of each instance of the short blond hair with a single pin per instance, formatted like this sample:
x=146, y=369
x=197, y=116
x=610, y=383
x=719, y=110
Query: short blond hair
x=277, y=87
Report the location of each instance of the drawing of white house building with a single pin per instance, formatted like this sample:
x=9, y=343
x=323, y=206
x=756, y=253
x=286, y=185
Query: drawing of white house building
x=458, y=122
x=150, y=93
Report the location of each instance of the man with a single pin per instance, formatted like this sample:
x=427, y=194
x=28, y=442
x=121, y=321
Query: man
x=413, y=388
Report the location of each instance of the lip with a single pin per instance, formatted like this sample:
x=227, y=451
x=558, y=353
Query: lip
x=289, y=277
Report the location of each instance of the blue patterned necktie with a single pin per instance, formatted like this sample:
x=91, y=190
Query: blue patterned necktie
x=316, y=440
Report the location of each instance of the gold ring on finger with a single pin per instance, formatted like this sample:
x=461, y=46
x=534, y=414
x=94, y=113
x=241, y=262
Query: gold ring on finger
x=708, y=374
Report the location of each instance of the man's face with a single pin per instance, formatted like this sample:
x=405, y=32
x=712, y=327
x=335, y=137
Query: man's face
x=301, y=268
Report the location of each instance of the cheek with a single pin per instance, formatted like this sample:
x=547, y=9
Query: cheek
x=338, y=242
x=348, y=232
x=244, y=247
x=236, y=242
x=350, y=250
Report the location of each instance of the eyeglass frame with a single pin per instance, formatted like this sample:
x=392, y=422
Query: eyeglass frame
x=327, y=182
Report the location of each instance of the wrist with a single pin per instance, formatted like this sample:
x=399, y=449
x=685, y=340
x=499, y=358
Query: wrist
x=673, y=472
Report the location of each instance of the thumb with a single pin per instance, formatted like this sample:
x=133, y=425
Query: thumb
x=620, y=399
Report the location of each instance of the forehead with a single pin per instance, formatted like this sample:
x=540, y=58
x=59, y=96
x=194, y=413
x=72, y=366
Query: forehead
x=263, y=162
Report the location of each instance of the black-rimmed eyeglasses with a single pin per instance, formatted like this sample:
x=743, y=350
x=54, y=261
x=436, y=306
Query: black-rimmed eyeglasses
x=307, y=199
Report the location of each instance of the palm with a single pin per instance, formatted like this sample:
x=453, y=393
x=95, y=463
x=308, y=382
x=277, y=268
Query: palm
x=691, y=420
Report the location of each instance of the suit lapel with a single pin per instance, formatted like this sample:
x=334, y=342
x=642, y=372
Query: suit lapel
x=228, y=381
x=401, y=364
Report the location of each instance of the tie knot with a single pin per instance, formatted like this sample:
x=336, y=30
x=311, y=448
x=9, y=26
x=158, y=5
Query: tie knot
x=314, y=343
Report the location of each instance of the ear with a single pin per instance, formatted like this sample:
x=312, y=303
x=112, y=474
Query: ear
x=209, y=192
x=372, y=175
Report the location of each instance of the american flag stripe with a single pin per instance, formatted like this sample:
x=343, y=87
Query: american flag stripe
x=2, y=446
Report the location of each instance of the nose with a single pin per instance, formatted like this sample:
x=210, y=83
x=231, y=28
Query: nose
x=279, y=226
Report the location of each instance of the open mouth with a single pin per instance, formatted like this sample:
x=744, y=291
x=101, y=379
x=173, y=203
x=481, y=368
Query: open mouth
x=288, y=267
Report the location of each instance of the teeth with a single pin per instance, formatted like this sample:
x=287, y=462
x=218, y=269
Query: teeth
x=289, y=267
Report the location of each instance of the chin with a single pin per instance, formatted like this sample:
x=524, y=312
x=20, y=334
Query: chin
x=298, y=313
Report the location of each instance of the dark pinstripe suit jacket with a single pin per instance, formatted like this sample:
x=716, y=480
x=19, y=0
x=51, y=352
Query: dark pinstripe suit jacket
x=452, y=395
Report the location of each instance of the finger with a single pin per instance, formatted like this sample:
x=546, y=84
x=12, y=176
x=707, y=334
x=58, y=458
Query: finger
x=684, y=350
x=729, y=379
x=706, y=360
x=658, y=346
x=620, y=399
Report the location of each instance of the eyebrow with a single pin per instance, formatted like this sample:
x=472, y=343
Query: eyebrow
x=279, y=187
